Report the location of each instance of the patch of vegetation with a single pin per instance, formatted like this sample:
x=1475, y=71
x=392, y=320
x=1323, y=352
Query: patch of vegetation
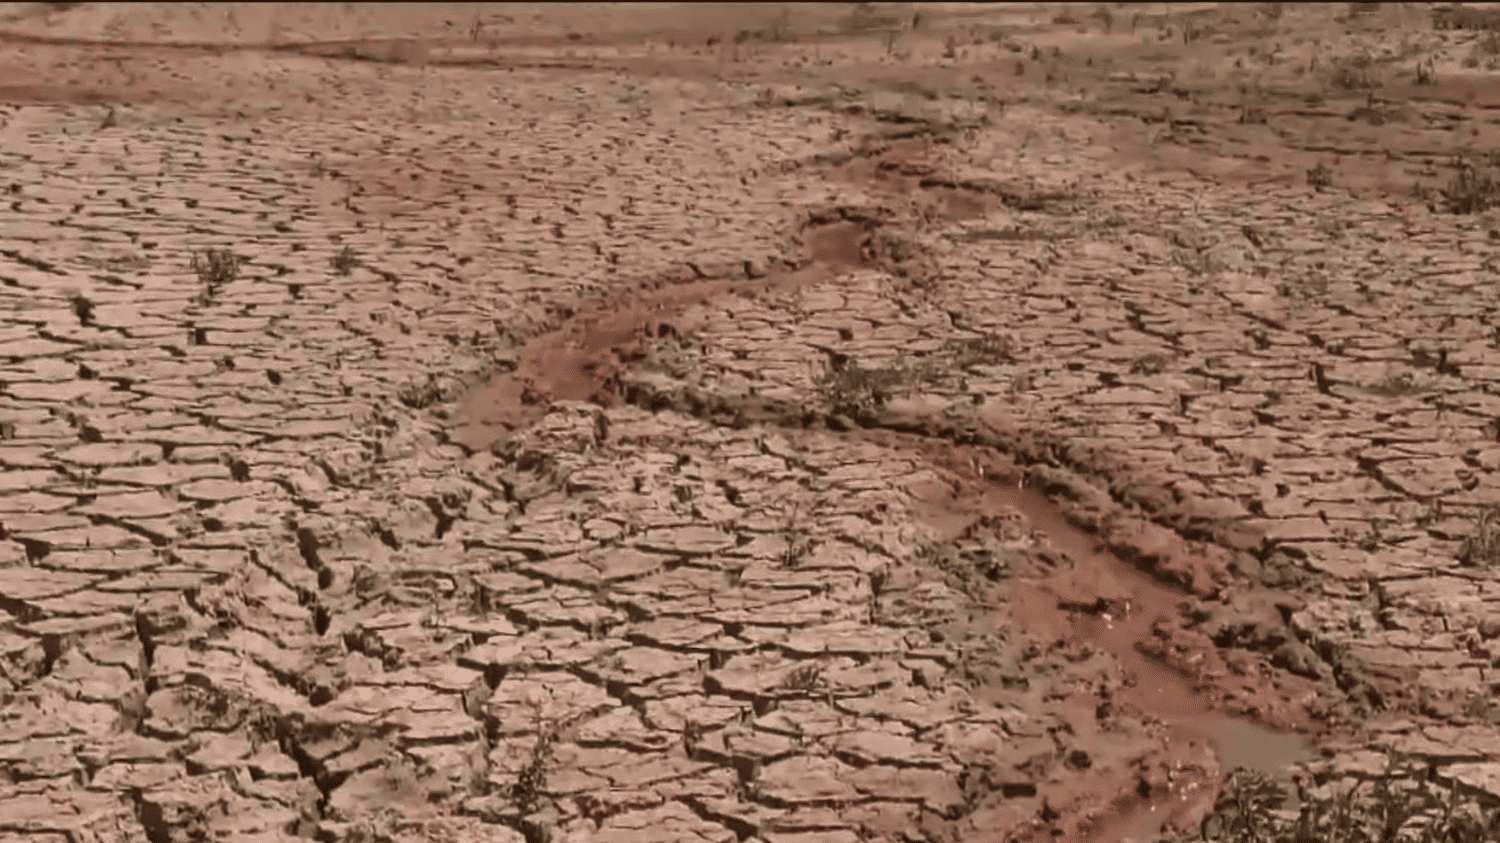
x=1320, y=177
x=1402, y=805
x=420, y=396
x=1481, y=548
x=344, y=261
x=528, y=788
x=865, y=17
x=1153, y=363
x=854, y=391
x=1396, y=384
x=216, y=267
x=989, y=349
x=1354, y=72
x=803, y=678
x=1458, y=16
x=1471, y=191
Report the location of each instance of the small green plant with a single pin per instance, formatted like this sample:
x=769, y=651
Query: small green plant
x=1402, y=805
x=854, y=391
x=802, y=678
x=1471, y=191
x=1356, y=72
x=1153, y=363
x=529, y=785
x=1243, y=812
x=1427, y=72
x=420, y=396
x=987, y=349
x=344, y=261
x=1481, y=548
x=216, y=267
x=1397, y=383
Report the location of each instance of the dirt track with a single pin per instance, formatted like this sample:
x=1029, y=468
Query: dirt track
x=660, y=423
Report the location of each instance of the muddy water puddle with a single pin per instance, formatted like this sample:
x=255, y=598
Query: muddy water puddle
x=1094, y=598
x=1130, y=607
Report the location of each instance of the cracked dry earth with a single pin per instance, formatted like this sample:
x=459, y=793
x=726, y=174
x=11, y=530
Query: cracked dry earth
x=859, y=429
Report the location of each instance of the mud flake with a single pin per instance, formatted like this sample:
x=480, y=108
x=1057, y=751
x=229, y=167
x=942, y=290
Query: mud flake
x=219, y=490
x=539, y=699
x=672, y=632
x=640, y=665
x=45, y=812
x=703, y=711
x=26, y=584
x=126, y=776
x=672, y=821
x=392, y=786
x=916, y=707
x=686, y=541
x=807, y=779
x=112, y=454
x=623, y=727
x=845, y=638
x=805, y=718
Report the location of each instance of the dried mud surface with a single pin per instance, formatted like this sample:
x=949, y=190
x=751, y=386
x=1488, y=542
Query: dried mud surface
x=727, y=423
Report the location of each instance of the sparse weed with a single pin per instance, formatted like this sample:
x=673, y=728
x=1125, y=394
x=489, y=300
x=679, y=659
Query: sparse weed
x=1397, y=384
x=853, y=391
x=1243, y=812
x=216, y=267
x=1471, y=191
x=802, y=678
x=1481, y=548
x=1403, y=805
x=528, y=788
x=1483, y=51
x=1458, y=16
x=866, y=18
x=1427, y=72
x=1153, y=363
x=420, y=396
x=1356, y=72
x=988, y=349
x=344, y=261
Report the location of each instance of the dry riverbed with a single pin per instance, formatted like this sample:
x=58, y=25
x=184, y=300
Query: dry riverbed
x=694, y=423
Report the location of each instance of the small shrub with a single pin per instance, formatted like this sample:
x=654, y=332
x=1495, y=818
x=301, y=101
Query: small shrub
x=1153, y=363
x=802, y=678
x=420, y=396
x=1471, y=191
x=1320, y=177
x=527, y=791
x=1356, y=72
x=216, y=267
x=344, y=261
x=853, y=391
x=987, y=350
x=1242, y=813
x=1401, y=805
x=1426, y=73
x=1397, y=384
x=1481, y=548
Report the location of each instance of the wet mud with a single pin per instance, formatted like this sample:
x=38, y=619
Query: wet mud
x=1207, y=711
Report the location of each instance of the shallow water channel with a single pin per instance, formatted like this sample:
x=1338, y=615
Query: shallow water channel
x=1159, y=692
